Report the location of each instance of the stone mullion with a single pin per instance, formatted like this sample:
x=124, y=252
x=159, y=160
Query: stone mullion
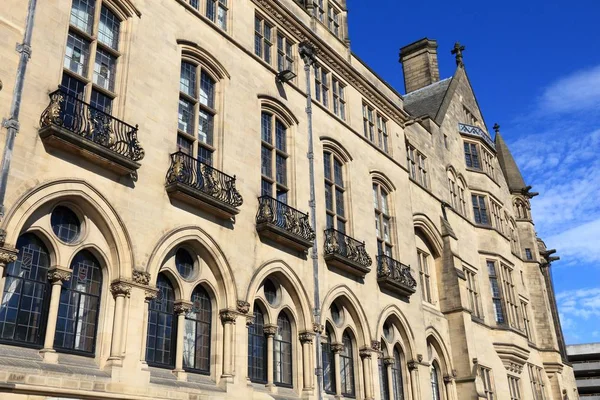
x=270, y=330
x=306, y=339
x=120, y=291
x=57, y=276
x=181, y=308
x=337, y=348
x=413, y=368
x=365, y=355
x=228, y=318
x=7, y=256
x=150, y=295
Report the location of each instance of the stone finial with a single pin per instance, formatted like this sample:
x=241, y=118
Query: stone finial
x=243, y=307
x=58, y=275
x=120, y=289
x=227, y=316
x=457, y=50
x=496, y=128
x=141, y=277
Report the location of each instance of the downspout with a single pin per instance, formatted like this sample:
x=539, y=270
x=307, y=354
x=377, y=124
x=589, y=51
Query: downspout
x=12, y=123
x=307, y=53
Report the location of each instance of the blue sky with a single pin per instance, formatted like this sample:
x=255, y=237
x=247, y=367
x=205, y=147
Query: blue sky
x=535, y=68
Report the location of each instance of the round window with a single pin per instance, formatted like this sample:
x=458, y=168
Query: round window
x=270, y=292
x=336, y=314
x=65, y=224
x=184, y=263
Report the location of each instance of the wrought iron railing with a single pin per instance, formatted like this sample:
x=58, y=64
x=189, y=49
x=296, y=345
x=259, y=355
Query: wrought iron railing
x=275, y=212
x=341, y=244
x=191, y=172
x=82, y=119
x=395, y=270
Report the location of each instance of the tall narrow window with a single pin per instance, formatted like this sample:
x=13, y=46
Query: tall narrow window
x=510, y=297
x=274, y=157
x=488, y=383
x=383, y=375
x=416, y=165
x=160, y=342
x=334, y=192
x=488, y=163
x=472, y=290
x=79, y=306
x=321, y=85
x=91, y=56
x=368, y=122
x=382, y=220
x=480, y=210
x=526, y=322
x=339, y=101
x=425, y=275
x=514, y=387
x=216, y=11
x=319, y=10
x=435, y=381
x=537, y=382
x=197, y=112
x=22, y=311
x=462, y=203
x=333, y=22
x=397, y=381
x=347, y=367
x=257, y=348
x=282, y=352
x=496, y=295
x=285, y=57
x=497, y=216
x=263, y=40
x=328, y=364
x=382, y=134
x=196, y=339
x=452, y=187
x=472, y=156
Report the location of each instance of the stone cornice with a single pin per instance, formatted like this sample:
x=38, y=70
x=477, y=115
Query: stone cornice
x=513, y=356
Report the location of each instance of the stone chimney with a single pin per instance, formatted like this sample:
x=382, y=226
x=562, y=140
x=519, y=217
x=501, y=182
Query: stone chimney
x=420, y=64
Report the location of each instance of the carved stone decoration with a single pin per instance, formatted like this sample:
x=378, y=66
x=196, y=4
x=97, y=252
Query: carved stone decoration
x=389, y=361
x=120, y=289
x=182, y=307
x=376, y=345
x=306, y=337
x=243, y=307
x=58, y=275
x=141, y=277
x=365, y=353
x=249, y=320
x=228, y=316
x=412, y=365
x=7, y=256
x=420, y=357
x=317, y=328
x=448, y=379
x=337, y=347
x=270, y=330
x=150, y=294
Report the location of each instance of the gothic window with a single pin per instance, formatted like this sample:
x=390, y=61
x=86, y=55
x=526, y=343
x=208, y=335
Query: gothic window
x=472, y=155
x=257, y=348
x=462, y=203
x=334, y=192
x=416, y=165
x=79, y=305
x=434, y=376
x=274, y=157
x=514, y=387
x=328, y=363
x=26, y=292
x=197, y=112
x=383, y=220
x=375, y=128
x=160, y=342
x=321, y=85
x=488, y=382
x=480, y=213
x=196, y=339
x=383, y=375
x=184, y=263
x=282, y=352
x=425, y=275
x=496, y=294
x=347, y=367
x=339, y=99
x=397, y=381
x=65, y=224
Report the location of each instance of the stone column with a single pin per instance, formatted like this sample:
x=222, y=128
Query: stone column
x=119, y=290
x=125, y=333
x=337, y=348
x=270, y=331
x=387, y=363
x=181, y=308
x=249, y=323
x=149, y=296
x=365, y=355
x=448, y=380
x=7, y=256
x=228, y=318
x=306, y=339
x=57, y=275
x=413, y=368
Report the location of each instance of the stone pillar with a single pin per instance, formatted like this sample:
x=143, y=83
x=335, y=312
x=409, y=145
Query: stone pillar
x=387, y=363
x=7, y=255
x=413, y=368
x=337, y=348
x=448, y=384
x=249, y=323
x=120, y=291
x=306, y=339
x=181, y=308
x=228, y=318
x=365, y=355
x=270, y=331
x=57, y=275
x=126, y=307
x=149, y=296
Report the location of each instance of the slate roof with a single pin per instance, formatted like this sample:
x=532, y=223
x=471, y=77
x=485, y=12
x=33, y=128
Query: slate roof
x=427, y=100
x=509, y=167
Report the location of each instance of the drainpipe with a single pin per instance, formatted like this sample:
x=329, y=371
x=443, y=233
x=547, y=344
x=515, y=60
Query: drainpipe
x=307, y=53
x=12, y=123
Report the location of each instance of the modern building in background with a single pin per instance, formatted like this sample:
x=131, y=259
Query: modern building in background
x=585, y=359
x=213, y=199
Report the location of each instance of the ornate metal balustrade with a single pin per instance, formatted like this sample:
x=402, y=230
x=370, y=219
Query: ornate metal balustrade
x=395, y=276
x=476, y=131
x=284, y=224
x=201, y=185
x=77, y=127
x=346, y=253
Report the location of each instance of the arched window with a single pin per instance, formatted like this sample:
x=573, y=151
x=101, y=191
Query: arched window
x=282, y=351
x=79, y=305
x=398, y=384
x=196, y=340
x=328, y=363
x=347, y=367
x=160, y=343
x=454, y=202
x=462, y=202
x=435, y=382
x=257, y=348
x=383, y=375
x=382, y=220
x=184, y=262
x=65, y=224
x=197, y=111
x=22, y=311
x=274, y=157
x=334, y=192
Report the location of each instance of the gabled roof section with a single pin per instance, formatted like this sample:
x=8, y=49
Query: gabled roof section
x=427, y=101
x=509, y=167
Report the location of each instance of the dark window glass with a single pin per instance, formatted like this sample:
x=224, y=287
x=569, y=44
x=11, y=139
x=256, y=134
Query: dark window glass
x=435, y=385
x=480, y=210
x=79, y=305
x=196, y=340
x=383, y=379
x=257, y=348
x=101, y=102
x=65, y=224
x=184, y=263
x=282, y=352
x=82, y=14
x=22, y=311
x=528, y=254
x=336, y=314
x=397, y=376
x=160, y=342
x=270, y=292
x=328, y=365
x=347, y=367
x=472, y=156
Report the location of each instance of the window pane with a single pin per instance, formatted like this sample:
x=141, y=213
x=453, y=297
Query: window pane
x=328, y=197
x=339, y=203
x=159, y=342
x=257, y=346
x=327, y=165
x=101, y=102
x=187, y=81
x=266, y=162
x=205, y=127
x=222, y=18
x=186, y=111
x=108, y=28
x=280, y=133
x=280, y=165
x=104, y=70
x=185, y=145
x=82, y=15
x=207, y=90
x=77, y=54
x=337, y=170
x=196, y=339
x=266, y=127
x=210, y=9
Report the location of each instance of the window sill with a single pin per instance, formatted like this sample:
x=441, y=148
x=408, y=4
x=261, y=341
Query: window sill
x=482, y=172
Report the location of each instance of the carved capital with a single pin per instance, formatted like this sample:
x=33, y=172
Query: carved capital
x=448, y=379
x=151, y=294
x=243, y=307
x=249, y=320
x=318, y=328
x=376, y=345
x=388, y=361
x=182, y=307
x=365, y=353
x=412, y=365
x=270, y=330
x=227, y=316
x=141, y=277
x=306, y=337
x=120, y=289
x=57, y=275
x=8, y=255
x=337, y=347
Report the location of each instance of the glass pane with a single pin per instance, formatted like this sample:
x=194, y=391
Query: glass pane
x=266, y=162
x=207, y=90
x=77, y=54
x=210, y=9
x=82, y=15
x=281, y=170
x=327, y=165
x=101, y=102
x=187, y=81
x=280, y=135
x=205, y=127
x=65, y=224
x=339, y=203
x=184, y=263
x=337, y=169
x=108, y=28
x=266, y=188
x=266, y=127
x=104, y=70
x=186, y=111
x=184, y=145
x=328, y=197
x=222, y=18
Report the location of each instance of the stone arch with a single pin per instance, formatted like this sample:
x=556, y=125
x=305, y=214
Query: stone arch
x=287, y=278
x=123, y=8
x=394, y=315
x=331, y=144
x=429, y=231
x=434, y=339
x=193, y=51
x=207, y=249
x=274, y=105
x=345, y=296
x=91, y=202
x=380, y=177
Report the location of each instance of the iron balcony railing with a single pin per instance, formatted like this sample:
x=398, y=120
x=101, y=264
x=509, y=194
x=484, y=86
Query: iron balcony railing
x=343, y=245
x=272, y=211
x=395, y=270
x=69, y=112
x=191, y=172
x=476, y=131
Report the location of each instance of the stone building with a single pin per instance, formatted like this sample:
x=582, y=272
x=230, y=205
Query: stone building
x=211, y=199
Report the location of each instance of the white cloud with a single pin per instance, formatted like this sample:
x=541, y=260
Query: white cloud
x=581, y=243
x=577, y=92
